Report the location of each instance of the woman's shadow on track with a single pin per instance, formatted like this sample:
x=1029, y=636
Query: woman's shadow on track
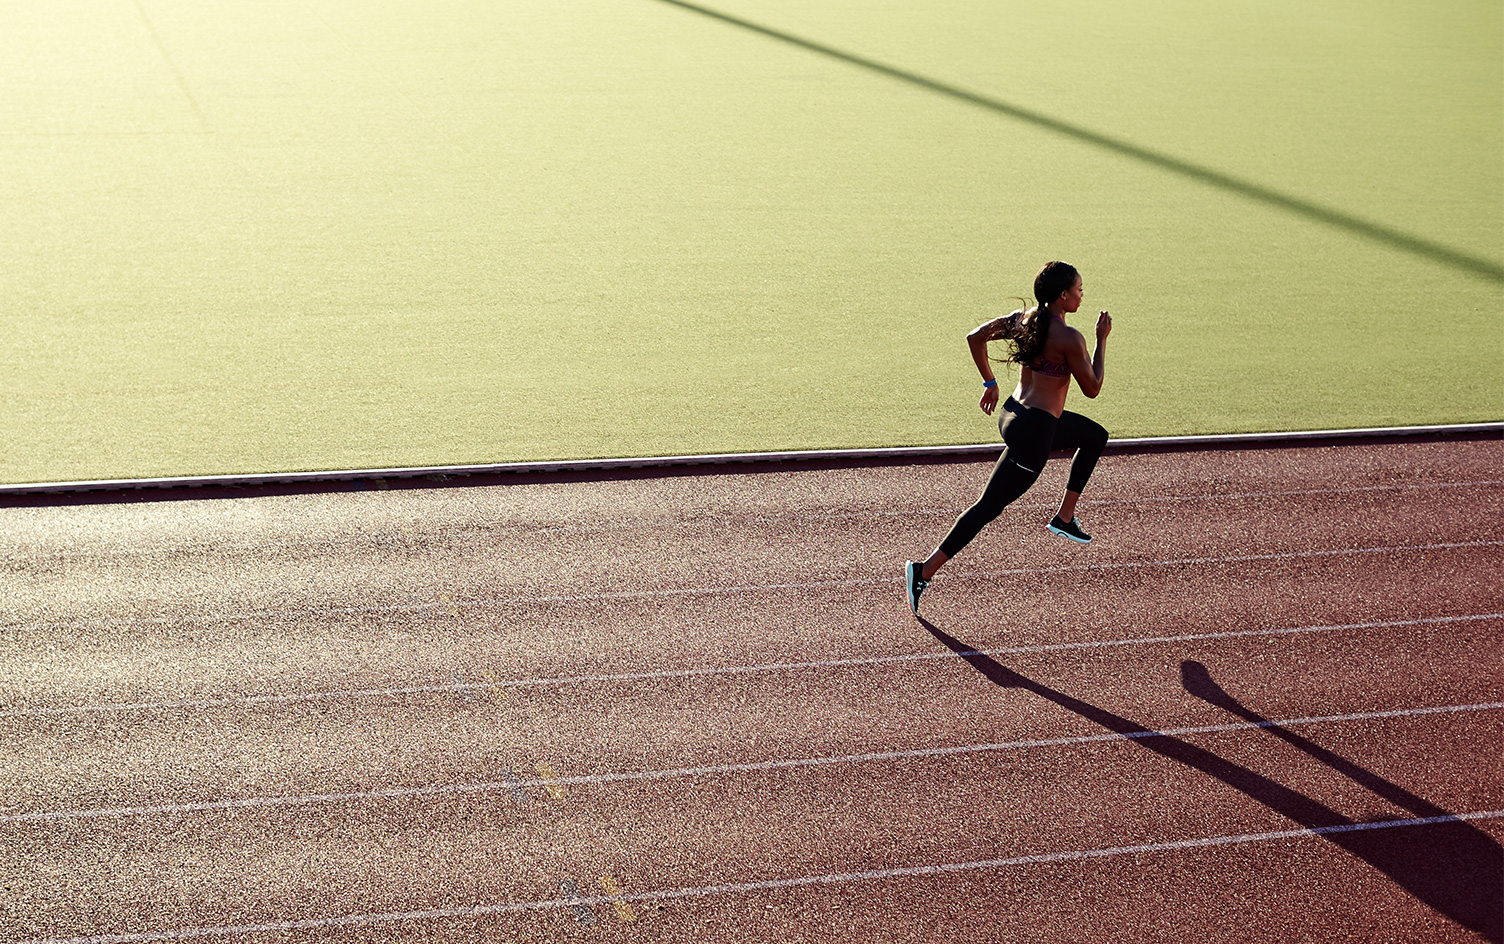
x=1454, y=867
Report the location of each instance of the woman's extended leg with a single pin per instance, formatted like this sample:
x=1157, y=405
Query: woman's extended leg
x=1026, y=437
x=1009, y=480
x=1087, y=438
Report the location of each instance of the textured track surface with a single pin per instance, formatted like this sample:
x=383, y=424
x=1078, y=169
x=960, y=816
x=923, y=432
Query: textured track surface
x=698, y=709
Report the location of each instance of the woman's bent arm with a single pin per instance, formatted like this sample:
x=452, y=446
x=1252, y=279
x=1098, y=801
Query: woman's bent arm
x=978, y=344
x=1090, y=374
x=977, y=341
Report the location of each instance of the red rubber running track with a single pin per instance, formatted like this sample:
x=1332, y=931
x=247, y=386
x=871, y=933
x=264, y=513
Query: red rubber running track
x=1265, y=705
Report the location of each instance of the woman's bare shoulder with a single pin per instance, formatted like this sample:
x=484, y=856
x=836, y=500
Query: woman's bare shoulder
x=1064, y=335
x=1002, y=327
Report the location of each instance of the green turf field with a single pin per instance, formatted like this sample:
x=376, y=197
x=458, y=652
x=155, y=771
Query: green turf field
x=266, y=236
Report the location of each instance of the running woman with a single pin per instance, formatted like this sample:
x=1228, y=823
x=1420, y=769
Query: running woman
x=1035, y=421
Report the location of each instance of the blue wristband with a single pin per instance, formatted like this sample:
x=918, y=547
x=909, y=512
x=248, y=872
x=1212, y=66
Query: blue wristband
x=989, y=383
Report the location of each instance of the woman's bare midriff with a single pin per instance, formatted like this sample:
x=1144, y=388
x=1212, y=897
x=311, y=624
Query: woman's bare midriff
x=1041, y=391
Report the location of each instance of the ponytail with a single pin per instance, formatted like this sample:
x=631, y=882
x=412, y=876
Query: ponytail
x=1027, y=329
x=1033, y=329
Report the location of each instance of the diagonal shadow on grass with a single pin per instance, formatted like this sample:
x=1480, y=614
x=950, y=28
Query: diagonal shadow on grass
x=1393, y=238
x=1453, y=867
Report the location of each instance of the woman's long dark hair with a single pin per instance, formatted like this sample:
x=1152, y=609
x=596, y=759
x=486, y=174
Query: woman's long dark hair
x=1027, y=330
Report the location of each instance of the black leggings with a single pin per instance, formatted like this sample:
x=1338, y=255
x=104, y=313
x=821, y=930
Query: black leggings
x=1029, y=436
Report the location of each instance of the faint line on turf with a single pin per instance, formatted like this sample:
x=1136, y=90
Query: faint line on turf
x=1162, y=160
x=511, y=783
x=156, y=38
x=743, y=588
x=503, y=684
x=833, y=878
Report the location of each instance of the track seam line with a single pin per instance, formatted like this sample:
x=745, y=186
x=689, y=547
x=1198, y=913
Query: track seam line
x=872, y=516
x=1037, y=506
x=456, y=687
x=833, y=878
x=745, y=588
x=310, y=799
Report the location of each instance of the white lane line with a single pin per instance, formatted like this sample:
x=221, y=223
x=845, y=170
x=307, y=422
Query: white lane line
x=561, y=680
x=833, y=878
x=1039, y=506
x=511, y=602
x=1008, y=572
x=1290, y=493
x=512, y=783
